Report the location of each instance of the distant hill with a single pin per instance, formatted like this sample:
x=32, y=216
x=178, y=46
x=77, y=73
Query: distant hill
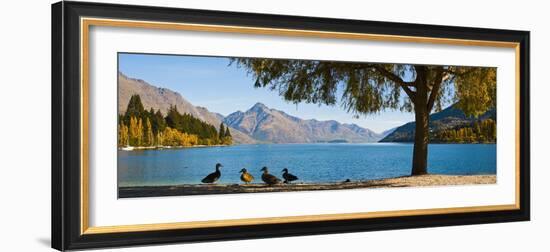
x=162, y=98
x=270, y=125
x=385, y=133
x=449, y=118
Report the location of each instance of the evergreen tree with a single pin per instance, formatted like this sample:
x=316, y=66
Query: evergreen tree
x=134, y=109
x=158, y=122
x=227, y=133
x=222, y=132
x=227, y=139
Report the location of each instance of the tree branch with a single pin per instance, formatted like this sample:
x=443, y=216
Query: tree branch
x=453, y=71
x=393, y=77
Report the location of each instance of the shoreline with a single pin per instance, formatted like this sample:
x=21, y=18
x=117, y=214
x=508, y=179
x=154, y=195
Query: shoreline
x=444, y=142
x=206, y=189
x=134, y=148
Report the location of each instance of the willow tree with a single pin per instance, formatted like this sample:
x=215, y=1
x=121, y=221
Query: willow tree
x=368, y=88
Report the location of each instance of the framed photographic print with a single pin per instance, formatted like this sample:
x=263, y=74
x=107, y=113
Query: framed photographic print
x=180, y=125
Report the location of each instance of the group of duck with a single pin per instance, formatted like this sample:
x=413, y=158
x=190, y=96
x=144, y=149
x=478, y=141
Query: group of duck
x=246, y=177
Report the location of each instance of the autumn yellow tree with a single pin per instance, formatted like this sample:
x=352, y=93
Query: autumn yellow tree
x=133, y=128
x=148, y=134
x=122, y=134
x=140, y=132
x=136, y=131
x=159, y=139
x=173, y=137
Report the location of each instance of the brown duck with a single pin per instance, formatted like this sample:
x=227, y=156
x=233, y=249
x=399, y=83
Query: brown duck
x=268, y=178
x=246, y=177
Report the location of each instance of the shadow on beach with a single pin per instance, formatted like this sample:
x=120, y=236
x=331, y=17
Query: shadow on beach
x=205, y=189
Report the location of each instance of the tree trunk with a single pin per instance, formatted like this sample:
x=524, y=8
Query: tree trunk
x=421, y=139
x=421, y=134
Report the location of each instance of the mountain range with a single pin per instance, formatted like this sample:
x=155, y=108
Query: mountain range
x=273, y=126
x=259, y=124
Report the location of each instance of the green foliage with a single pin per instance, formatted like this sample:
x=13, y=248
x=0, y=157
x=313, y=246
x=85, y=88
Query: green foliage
x=367, y=88
x=221, y=134
x=158, y=122
x=134, y=109
x=363, y=90
x=189, y=124
x=227, y=133
x=475, y=89
x=479, y=132
x=139, y=127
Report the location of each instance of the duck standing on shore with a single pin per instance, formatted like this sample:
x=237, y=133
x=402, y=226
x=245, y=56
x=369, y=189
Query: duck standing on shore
x=246, y=177
x=268, y=178
x=213, y=177
x=288, y=177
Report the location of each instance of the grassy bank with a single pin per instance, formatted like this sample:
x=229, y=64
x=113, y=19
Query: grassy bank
x=202, y=189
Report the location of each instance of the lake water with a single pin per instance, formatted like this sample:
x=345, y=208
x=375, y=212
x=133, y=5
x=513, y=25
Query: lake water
x=310, y=162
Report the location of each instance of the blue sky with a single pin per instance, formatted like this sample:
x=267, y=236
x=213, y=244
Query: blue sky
x=212, y=83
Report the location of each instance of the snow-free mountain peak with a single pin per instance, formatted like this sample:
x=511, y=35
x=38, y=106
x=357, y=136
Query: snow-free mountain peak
x=270, y=125
x=259, y=107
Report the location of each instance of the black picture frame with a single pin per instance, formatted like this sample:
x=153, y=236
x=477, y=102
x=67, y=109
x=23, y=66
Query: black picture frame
x=66, y=114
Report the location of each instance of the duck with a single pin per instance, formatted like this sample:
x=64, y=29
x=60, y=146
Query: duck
x=246, y=177
x=268, y=178
x=213, y=177
x=288, y=177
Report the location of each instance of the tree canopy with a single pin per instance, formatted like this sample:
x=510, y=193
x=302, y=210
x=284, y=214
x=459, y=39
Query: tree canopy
x=366, y=88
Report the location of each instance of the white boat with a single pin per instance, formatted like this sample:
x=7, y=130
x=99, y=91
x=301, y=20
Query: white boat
x=128, y=148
